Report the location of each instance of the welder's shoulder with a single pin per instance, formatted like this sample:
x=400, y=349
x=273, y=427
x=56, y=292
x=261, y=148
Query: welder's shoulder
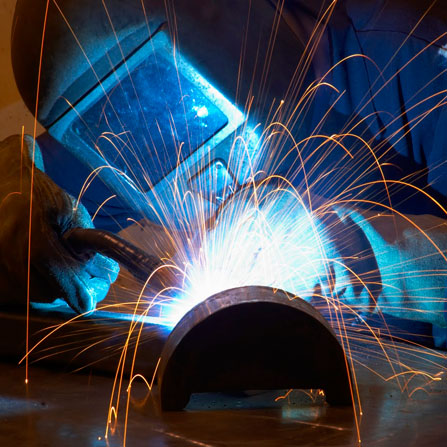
x=421, y=19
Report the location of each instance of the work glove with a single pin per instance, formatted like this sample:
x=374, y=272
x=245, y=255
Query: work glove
x=408, y=264
x=54, y=272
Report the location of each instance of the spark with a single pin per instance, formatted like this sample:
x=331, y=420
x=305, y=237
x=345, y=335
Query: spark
x=269, y=230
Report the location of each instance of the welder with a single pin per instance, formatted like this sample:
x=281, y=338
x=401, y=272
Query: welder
x=387, y=62
x=392, y=97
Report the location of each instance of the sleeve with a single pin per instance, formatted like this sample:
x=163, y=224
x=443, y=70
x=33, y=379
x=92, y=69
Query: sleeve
x=408, y=262
x=394, y=94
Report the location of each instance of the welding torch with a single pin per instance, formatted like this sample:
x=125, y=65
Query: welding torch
x=83, y=243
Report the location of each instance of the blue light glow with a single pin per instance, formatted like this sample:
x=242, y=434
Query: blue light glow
x=264, y=236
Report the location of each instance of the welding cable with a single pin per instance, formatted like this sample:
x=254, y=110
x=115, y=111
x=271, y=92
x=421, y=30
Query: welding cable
x=83, y=243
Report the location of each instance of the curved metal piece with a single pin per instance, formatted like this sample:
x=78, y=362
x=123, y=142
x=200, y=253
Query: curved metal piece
x=252, y=338
x=87, y=241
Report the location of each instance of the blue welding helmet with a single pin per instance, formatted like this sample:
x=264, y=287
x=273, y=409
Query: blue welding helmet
x=153, y=97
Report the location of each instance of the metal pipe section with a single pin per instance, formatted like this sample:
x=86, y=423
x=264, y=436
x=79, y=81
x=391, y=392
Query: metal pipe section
x=252, y=338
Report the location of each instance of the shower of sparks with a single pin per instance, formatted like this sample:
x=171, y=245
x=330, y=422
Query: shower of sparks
x=264, y=235
x=272, y=232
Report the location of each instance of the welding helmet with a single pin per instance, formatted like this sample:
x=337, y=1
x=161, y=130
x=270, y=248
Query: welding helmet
x=160, y=100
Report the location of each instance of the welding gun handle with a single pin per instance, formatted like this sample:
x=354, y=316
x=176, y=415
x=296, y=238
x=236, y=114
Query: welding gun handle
x=85, y=242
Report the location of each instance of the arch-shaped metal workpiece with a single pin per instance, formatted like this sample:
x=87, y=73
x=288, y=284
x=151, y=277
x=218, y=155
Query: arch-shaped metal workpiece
x=252, y=338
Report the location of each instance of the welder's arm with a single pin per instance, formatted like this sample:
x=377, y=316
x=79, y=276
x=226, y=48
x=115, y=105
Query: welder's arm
x=403, y=265
x=53, y=271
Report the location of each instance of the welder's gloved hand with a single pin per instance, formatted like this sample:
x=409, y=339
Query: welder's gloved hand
x=54, y=272
x=407, y=274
